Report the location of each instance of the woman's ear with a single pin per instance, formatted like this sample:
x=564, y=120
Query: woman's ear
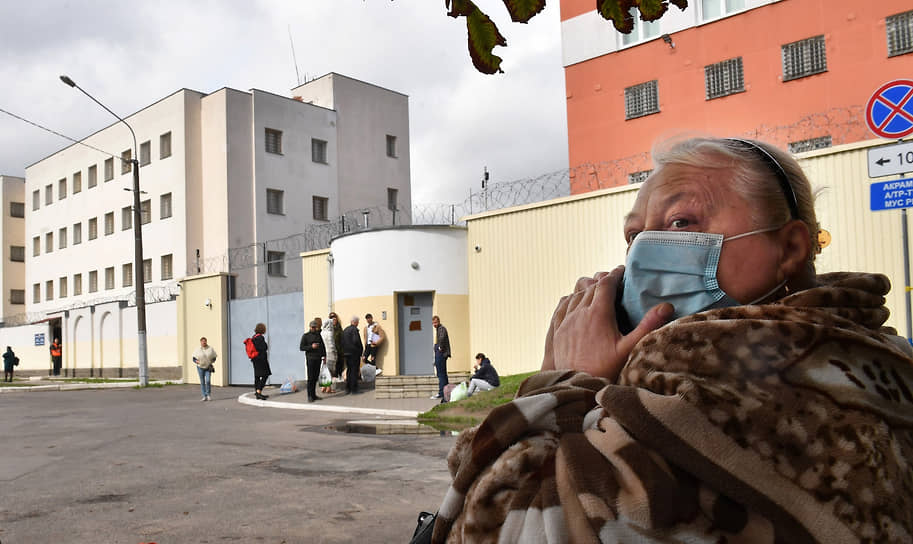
x=795, y=248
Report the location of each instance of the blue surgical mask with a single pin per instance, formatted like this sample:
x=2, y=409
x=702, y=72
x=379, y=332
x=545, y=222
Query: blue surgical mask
x=680, y=268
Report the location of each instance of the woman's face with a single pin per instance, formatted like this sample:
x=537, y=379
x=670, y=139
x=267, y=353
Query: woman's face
x=685, y=198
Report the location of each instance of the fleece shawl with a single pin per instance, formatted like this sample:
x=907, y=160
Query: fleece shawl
x=786, y=422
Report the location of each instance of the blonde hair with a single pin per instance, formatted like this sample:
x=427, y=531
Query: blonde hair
x=753, y=179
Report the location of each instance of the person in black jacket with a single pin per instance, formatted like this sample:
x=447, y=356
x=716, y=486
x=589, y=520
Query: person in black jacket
x=261, y=361
x=485, y=378
x=315, y=352
x=352, y=348
x=9, y=361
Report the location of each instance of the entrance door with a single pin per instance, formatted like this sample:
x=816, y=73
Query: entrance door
x=414, y=332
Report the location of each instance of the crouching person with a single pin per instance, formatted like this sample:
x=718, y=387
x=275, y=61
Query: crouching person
x=485, y=377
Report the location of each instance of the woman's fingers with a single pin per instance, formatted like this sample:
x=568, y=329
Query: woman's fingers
x=658, y=316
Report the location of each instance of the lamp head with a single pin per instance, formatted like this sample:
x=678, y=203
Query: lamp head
x=68, y=81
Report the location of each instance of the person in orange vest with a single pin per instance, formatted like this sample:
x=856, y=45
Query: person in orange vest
x=56, y=356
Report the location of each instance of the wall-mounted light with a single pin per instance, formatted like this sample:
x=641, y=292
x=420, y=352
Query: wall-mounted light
x=414, y=265
x=668, y=39
x=478, y=249
x=208, y=303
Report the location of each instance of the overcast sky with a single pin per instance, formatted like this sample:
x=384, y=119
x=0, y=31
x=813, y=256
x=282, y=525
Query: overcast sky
x=129, y=54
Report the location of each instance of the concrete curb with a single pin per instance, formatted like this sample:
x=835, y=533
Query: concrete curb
x=248, y=398
x=79, y=386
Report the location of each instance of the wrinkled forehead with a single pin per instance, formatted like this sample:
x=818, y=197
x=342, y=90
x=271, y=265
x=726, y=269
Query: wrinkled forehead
x=708, y=188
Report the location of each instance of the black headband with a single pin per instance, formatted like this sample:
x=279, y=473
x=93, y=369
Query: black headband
x=775, y=167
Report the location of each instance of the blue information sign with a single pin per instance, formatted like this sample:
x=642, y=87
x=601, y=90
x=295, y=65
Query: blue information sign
x=39, y=338
x=890, y=195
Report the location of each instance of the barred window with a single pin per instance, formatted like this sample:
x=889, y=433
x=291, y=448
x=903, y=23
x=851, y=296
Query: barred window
x=641, y=100
x=811, y=144
x=93, y=228
x=804, y=58
x=17, y=254
x=274, y=141
x=899, y=29
x=127, y=275
x=275, y=263
x=639, y=177
x=145, y=211
x=62, y=189
x=145, y=153
x=49, y=242
x=724, y=78
x=17, y=296
x=318, y=151
x=77, y=182
x=109, y=277
x=165, y=206
x=93, y=281
x=126, y=161
x=62, y=238
x=167, y=272
x=320, y=208
x=109, y=169
x=62, y=282
x=126, y=218
x=274, y=201
x=48, y=195
x=77, y=284
x=109, y=223
x=93, y=176
x=147, y=270
x=165, y=145
x=77, y=233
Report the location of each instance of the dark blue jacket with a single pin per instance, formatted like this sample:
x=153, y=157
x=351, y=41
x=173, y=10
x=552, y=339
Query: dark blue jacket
x=488, y=373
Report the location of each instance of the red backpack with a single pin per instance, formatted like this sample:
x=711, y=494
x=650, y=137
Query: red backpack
x=250, y=348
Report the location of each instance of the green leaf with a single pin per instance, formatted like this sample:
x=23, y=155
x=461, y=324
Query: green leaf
x=483, y=35
x=651, y=10
x=521, y=11
x=618, y=12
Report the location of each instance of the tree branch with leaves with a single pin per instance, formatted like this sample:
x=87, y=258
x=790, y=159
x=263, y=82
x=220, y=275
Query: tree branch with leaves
x=483, y=33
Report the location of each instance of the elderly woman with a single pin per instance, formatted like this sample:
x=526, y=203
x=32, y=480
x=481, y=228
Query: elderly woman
x=714, y=389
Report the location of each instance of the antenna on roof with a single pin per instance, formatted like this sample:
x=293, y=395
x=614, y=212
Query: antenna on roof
x=294, y=59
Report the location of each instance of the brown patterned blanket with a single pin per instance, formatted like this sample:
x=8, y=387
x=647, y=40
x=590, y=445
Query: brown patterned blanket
x=780, y=423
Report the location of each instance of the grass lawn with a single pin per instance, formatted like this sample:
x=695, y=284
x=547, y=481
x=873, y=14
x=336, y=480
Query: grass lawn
x=456, y=416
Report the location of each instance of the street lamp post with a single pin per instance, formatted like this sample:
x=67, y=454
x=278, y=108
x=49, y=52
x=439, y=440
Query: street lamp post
x=137, y=245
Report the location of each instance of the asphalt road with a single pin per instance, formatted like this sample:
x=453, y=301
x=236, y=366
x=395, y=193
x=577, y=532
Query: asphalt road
x=156, y=465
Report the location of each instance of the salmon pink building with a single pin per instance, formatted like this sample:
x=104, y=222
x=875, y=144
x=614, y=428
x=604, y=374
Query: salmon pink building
x=797, y=73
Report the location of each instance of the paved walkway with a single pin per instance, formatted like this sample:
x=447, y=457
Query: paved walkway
x=362, y=403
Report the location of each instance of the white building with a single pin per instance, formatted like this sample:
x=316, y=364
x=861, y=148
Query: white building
x=222, y=174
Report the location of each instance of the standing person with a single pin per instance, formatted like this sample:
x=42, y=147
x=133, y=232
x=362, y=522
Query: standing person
x=374, y=337
x=441, y=354
x=332, y=338
x=314, y=353
x=56, y=356
x=204, y=357
x=485, y=377
x=9, y=361
x=352, y=348
x=261, y=361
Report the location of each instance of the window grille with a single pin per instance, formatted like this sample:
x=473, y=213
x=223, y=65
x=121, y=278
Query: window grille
x=93, y=281
x=77, y=233
x=17, y=296
x=145, y=211
x=93, y=228
x=63, y=287
x=391, y=146
x=17, y=209
x=109, y=277
x=77, y=284
x=318, y=151
x=165, y=145
x=639, y=177
x=274, y=201
x=62, y=238
x=273, y=141
x=145, y=153
x=126, y=161
x=899, y=29
x=320, y=208
x=49, y=242
x=109, y=169
x=724, y=78
x=126, y=218
x=109, y=223
x=641, y=100
x=810, y=145
x=392, y=198
x=17, y=254
x=93, y=176
x=167, y=273
x=77, y=182
x=804, y=58
x=275, y=263
x=147, y=270
x=62, y=189
x=165, y=206
x=127, y=275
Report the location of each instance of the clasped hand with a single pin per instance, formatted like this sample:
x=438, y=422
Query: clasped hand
x=584, y=334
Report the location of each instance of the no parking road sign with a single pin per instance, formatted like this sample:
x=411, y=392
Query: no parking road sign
x=889, y=112
x=890, y=195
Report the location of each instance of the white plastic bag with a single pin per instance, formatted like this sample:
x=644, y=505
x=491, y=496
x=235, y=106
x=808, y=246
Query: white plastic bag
x=459, y=392
x=288, y=386
x=325, y=379
x=368, y=372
